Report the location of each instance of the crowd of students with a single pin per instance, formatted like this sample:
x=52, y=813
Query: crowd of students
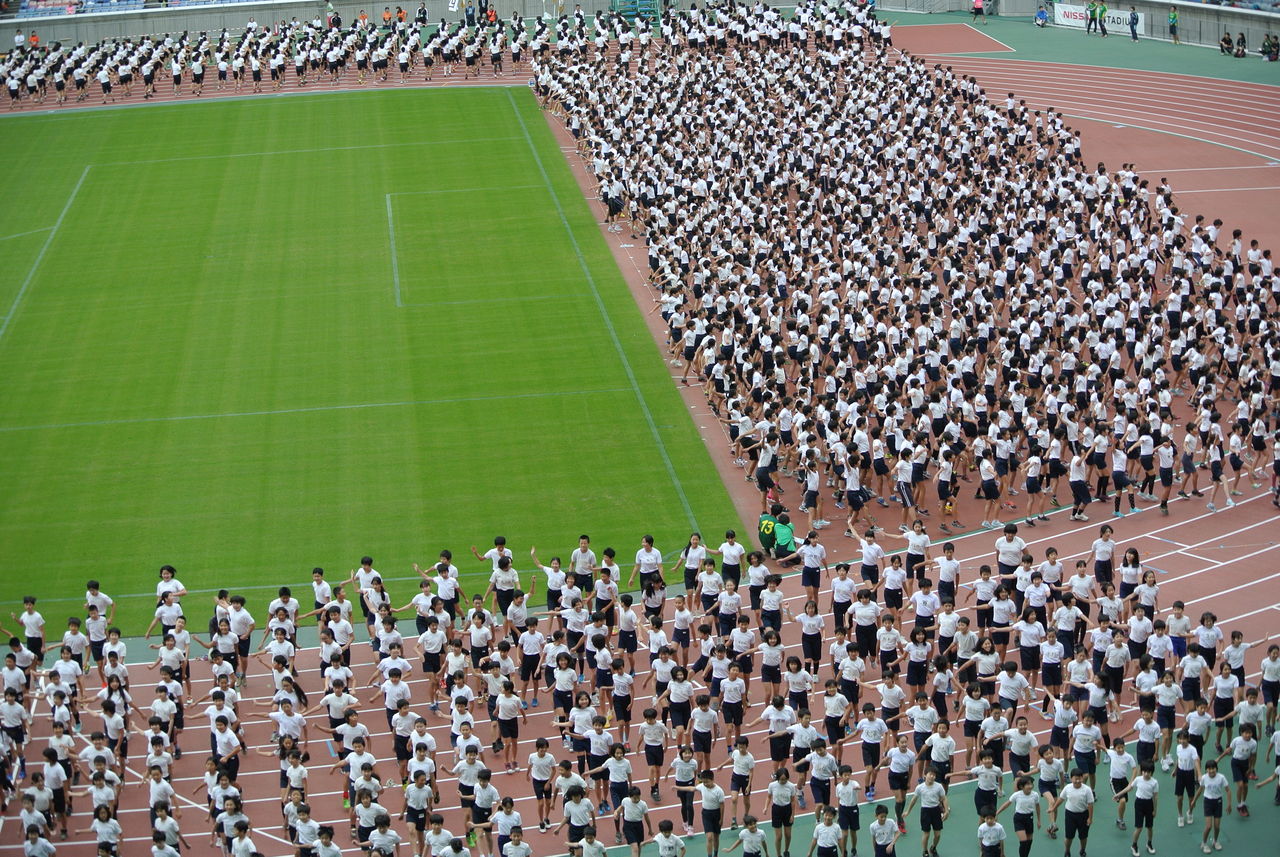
x=297, y=54
x=906, y=677
x=1081, y=646
x=883, y=278
x=880, y=273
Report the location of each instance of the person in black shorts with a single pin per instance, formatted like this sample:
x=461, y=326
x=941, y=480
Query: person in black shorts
x=1144, y=788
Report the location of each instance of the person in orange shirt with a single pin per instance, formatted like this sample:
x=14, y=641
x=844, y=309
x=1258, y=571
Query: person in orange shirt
x=364, y=18
x=34, y=40
x=400, y=14
x=386, y=16
x=493, y=15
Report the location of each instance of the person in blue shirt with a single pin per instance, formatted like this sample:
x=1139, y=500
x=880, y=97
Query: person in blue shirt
x=1042, y=17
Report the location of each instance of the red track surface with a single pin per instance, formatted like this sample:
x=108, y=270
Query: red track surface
x=1224, y=562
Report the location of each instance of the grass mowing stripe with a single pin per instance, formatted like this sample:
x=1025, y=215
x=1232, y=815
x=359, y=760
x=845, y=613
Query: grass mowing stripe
x=604, y=313
x=391, y=234
x=306, y=151
x=479, y=301
x=44, y=248
x=461, y=189
x=395, y=261
x=358, y=407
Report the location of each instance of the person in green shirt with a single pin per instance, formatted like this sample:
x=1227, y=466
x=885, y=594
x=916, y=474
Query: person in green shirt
x=765, y=528
x=1102, y=19
x=1173, y=25
x=1091, y=11
x=784, y=534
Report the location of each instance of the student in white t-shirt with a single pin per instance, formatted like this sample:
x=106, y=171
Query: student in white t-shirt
x=991, y=835
x=667, y=843
x=1215, y=789
x=1145, y=788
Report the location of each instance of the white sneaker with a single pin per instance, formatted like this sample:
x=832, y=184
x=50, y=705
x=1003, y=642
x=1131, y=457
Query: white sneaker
x=1230, y=503
x=1204, y=846
x=1182, y=820
x=1217, y=846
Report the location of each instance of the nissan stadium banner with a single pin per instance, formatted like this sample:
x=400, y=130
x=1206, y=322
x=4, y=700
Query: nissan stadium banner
x=1065, y=15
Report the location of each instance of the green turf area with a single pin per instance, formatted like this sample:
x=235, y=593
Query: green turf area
x=258, y=336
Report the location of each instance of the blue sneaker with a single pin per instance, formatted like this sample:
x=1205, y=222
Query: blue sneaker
x=535, y=702
x=524, y=704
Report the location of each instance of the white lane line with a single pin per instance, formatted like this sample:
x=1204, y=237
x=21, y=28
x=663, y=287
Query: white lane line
x=1225, y=190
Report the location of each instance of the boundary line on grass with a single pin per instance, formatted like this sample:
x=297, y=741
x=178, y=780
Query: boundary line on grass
x=21, y=234
x=44, y=248
x=604, y=314
x=316, y=409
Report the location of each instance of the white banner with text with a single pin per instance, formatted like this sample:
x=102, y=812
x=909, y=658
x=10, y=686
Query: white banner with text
x=1066, y=15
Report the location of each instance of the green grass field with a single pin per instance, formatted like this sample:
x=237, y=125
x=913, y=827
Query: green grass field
x=257, y=336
